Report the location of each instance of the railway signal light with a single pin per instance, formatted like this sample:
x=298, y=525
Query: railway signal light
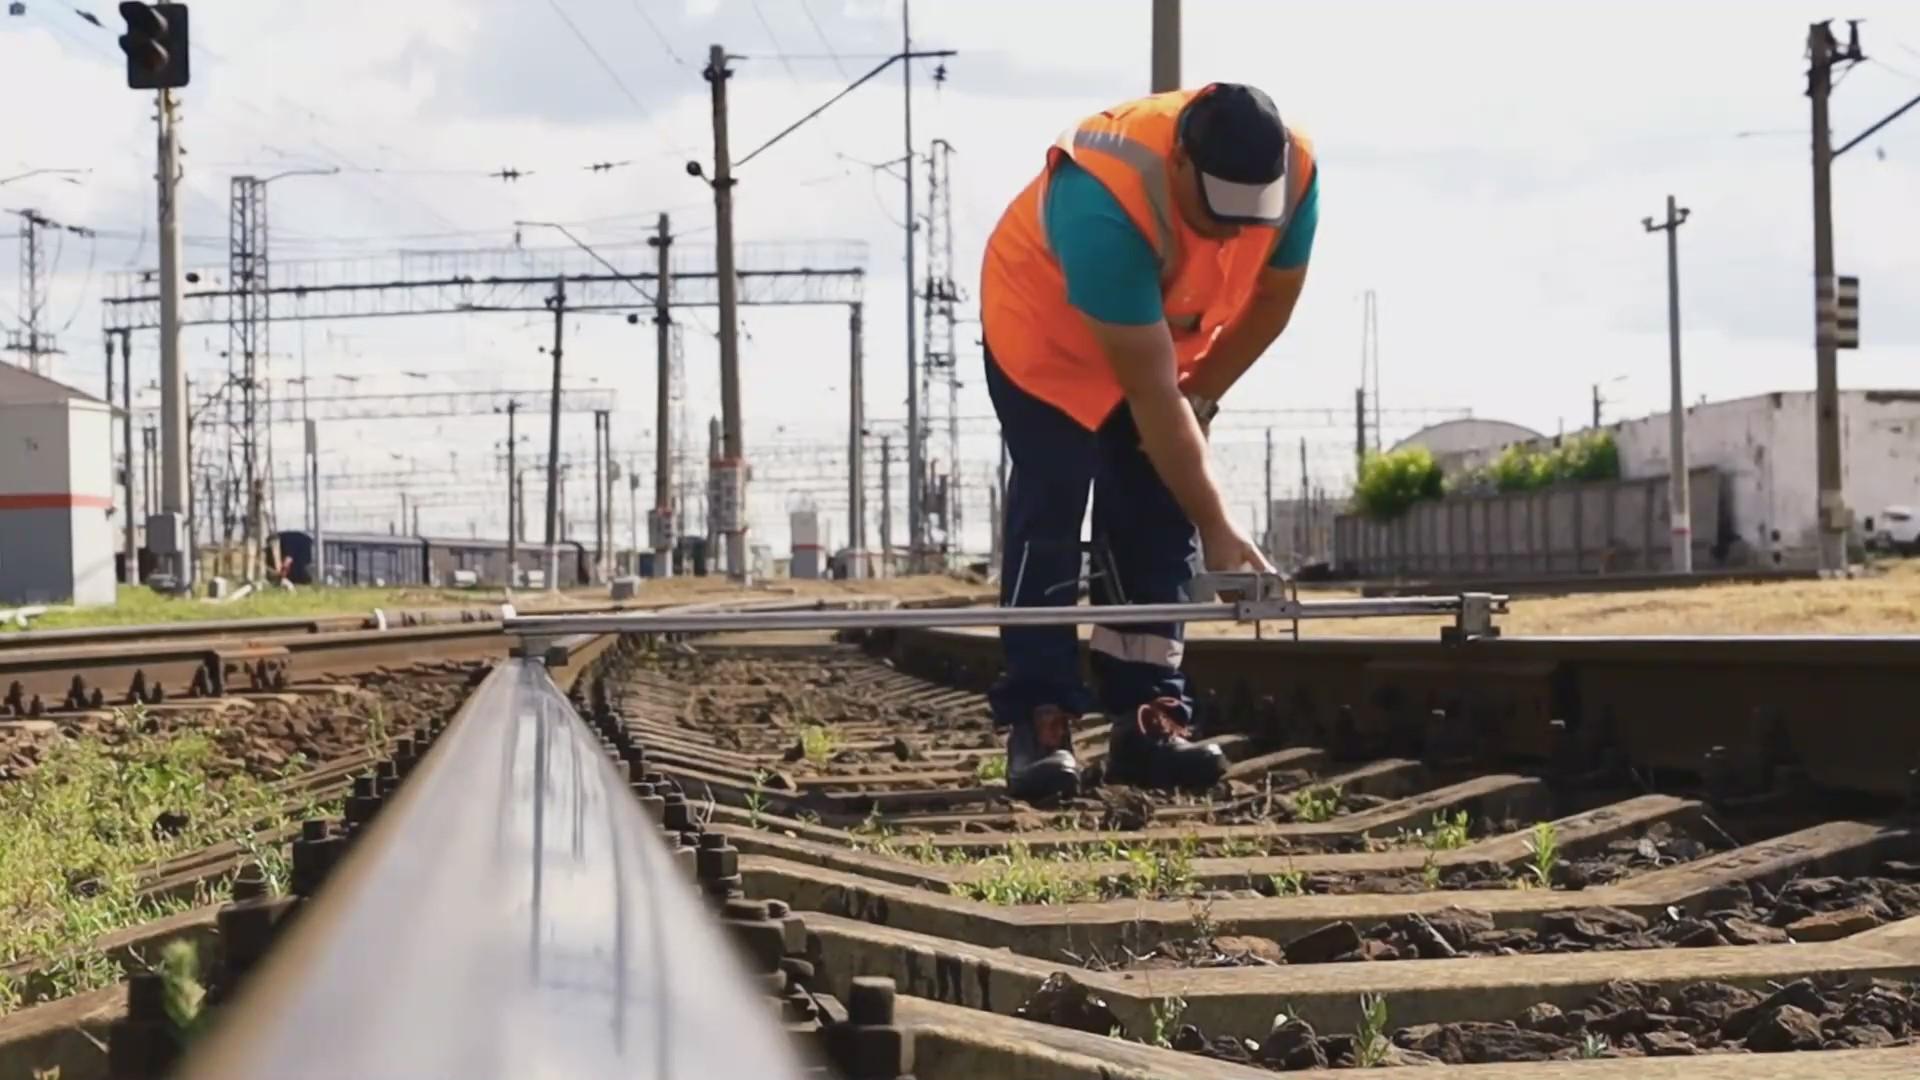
x=1838, y=312
x=1846, y=313
x=155, y=44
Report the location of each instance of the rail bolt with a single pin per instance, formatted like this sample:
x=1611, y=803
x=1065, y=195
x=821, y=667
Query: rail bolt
x=870, y=1001
x=249, y=883
x=679, y=813
x=386, y=777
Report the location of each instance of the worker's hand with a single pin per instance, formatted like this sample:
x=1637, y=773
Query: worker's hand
x=1226, y=549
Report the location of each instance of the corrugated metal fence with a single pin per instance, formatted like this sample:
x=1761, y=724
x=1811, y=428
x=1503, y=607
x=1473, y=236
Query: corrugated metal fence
x=1610, y=527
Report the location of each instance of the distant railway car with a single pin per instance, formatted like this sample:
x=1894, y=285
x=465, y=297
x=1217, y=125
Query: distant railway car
x=357, y=558
x=374, y=559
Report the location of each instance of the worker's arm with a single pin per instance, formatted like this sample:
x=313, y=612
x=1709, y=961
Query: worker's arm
x=1142, y=360
x=1246, y=338
x=1112, y=280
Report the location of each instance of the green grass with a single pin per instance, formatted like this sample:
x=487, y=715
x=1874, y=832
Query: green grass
x=991, y=768
x=179, y=971
x=1370, y=1043
x=1316, y=805
x=1239, y=847
x=1167, y=1013
x=1019, y=876
x=77, y=834
x=818, y=744
x=1543, y=855
x=140, y=606
x=1449, y=833
x=757, y=798
x=1289, y=882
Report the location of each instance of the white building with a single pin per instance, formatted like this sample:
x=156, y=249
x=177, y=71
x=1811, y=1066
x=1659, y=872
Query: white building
x=1453, y=440
x=1764, y=448
x=56, y=493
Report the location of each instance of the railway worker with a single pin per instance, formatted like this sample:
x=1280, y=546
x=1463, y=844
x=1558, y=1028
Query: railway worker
x=1157, y=254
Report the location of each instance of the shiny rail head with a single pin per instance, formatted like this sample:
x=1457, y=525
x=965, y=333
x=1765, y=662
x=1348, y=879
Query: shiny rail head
x=511, y=912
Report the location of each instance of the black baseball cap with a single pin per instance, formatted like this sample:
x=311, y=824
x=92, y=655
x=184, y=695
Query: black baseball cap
x=1235, y=138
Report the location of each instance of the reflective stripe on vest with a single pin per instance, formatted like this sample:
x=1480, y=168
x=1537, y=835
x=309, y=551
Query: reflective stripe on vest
x=1157, y=185
x=1153, y=179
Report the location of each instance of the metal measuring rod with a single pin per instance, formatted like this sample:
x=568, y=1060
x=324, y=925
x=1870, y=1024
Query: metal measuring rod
x=1223, y=597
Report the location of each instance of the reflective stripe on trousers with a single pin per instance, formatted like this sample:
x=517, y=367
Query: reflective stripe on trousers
x=1137, y=648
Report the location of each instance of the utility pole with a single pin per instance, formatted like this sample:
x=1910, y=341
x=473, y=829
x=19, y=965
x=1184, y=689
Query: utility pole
x=1303, y=531
x=1166, y=46
x=107, y=339
x=558, y=302
x=513, y=494
x=1370, y=357
x=318, y=521
x=148, y=443
x=520, y=501
x=126, y=437
x=1679, y=503
x=661, y=527
x=1596, y=406
x=886, y=505
x=600, y=544
x=730, y=472
x=1833, y=515
x=856, y=444
x=175, y=534
x=1270, y=543
x=610, y=563
x=1359, y=433
x=633, y=518
x=916, y=452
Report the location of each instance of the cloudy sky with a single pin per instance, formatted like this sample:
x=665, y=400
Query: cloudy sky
x=1486, y=169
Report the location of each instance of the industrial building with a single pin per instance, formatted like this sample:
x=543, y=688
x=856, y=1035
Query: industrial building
x=1760, y=450
x=1455, y=441
x=56, y=493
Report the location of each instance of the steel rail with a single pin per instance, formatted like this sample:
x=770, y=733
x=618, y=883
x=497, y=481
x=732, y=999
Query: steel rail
x=946, y=618
x=510, y=912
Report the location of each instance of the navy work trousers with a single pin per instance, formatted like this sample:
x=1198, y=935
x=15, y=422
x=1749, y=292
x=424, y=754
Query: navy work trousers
x=1144, y=551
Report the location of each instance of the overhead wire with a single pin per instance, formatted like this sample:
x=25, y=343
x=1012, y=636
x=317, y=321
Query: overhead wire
x=599, y=59
x=640, y=7
x=825, y=42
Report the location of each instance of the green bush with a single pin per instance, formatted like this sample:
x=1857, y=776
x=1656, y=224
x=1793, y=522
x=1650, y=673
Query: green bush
x=1577, y=459
x=1391, y=483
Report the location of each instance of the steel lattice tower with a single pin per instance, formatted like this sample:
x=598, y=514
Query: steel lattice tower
x=247, y=344
x=941, y=296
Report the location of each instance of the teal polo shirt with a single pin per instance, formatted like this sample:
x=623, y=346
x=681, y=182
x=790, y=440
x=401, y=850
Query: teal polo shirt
x=1112, y=274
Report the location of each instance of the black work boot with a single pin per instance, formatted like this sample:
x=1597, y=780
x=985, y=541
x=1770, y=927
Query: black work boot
x=1151, y=750
x=1040, y=762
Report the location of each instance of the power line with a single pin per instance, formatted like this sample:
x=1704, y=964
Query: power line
x=640, y=7
x=1903, y=73
x=761, y=14
x=601, y=60
x=808, y=9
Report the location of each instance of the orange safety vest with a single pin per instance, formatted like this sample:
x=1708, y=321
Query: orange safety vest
x=1040, y=342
